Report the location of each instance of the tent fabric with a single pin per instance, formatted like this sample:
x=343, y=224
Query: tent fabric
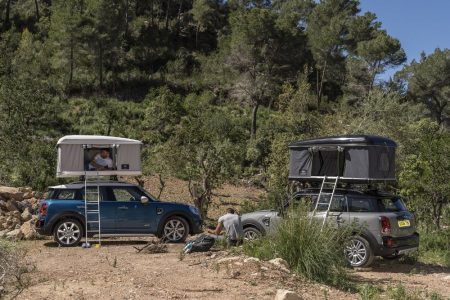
x=356, y=163
x=96, y=140
x=75, y=153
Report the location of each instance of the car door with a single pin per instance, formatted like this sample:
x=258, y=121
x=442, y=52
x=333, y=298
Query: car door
x=107, y=209
x=132, y=216
x=338, y=215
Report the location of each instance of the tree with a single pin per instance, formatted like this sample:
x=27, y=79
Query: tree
x=424, y=174
x=328, y=37
x=429, y=83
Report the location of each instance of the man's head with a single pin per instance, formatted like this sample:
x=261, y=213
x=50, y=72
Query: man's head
x=230, y=210
x=104, y=153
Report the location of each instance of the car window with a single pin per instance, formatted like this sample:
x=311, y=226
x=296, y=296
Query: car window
x=65, y=194
x=361, y=205
x=338, y=204
x=126, y=194
x=391, y=204
x=92, y=194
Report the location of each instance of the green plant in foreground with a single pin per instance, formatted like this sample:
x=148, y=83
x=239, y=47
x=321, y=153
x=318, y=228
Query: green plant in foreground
x=369, y=292
x=310, y=252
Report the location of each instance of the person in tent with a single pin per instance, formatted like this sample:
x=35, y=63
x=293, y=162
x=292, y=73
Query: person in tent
x=102, y=161
x=234, y=231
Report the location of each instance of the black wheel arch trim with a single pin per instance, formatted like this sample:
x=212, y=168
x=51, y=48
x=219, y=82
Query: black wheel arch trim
x=176, y=213
x=65, y=215
x=253, y=223
x=373, y=244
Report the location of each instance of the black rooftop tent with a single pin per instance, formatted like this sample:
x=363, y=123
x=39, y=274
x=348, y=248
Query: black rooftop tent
x=359, y=158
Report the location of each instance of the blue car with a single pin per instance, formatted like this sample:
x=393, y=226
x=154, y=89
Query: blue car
x=126, y=210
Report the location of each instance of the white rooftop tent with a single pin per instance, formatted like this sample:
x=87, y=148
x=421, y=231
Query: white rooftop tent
x=75, y=152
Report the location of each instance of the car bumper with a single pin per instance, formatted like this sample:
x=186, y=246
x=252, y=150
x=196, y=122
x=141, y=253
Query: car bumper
x=41, y=228
x=395, y=246
x=197, y=226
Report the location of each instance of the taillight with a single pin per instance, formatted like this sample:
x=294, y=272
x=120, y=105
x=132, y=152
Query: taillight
x=385, y=225
x=43, y=209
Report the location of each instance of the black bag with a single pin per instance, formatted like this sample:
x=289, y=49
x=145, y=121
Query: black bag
x=201, y=244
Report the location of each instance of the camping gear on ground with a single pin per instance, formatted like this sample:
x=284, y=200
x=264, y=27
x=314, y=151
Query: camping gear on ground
x=201, y=244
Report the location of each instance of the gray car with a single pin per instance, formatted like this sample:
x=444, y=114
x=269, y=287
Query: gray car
x=385, y=227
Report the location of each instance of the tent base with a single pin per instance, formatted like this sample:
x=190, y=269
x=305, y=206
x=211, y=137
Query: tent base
x=98, y=173
x=341, y=179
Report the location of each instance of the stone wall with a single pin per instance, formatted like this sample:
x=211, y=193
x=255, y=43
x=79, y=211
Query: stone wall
x=18, y=212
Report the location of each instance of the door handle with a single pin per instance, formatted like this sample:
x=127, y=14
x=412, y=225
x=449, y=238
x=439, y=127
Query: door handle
x=123, y=207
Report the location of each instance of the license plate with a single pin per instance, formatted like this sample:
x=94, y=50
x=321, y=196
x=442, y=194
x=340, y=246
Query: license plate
x=404, y=223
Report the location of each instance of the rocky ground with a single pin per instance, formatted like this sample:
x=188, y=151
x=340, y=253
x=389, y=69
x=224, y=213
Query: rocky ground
x=117, y=271
x=18, y=209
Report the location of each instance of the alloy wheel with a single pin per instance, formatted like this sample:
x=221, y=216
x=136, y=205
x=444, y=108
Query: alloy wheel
x=68, y=233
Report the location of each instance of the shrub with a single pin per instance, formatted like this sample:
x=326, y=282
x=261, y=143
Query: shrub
x=311, y=252
x=14, y=269
x=434, y=247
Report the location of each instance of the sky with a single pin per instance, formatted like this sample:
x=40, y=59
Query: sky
x=420, y=25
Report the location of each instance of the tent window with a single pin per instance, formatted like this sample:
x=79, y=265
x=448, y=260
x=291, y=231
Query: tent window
x=328, y=163
x=383, y=162
x=104, y=159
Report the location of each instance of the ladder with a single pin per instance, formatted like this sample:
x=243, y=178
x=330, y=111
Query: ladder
x=327, y=181
x=91, y=211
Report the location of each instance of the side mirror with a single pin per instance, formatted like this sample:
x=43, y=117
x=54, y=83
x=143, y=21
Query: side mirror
x=144, y=200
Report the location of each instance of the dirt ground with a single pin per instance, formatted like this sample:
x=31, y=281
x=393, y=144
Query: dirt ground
x=117, y=271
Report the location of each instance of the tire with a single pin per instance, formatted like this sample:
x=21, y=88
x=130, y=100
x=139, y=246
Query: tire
x=175, y=230
x=68, y=232
x=251, y=233
x=393, y=256
x=358, y=252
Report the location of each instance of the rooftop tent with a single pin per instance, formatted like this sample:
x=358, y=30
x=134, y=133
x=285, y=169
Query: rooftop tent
x=359, y=158
x=76, y=153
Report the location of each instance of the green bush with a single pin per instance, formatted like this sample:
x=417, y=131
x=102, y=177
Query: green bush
x=311, y=252
x=434, y=247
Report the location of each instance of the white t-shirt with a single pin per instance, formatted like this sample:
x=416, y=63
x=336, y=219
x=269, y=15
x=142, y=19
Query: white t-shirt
x=104, y=162
x=233, y=226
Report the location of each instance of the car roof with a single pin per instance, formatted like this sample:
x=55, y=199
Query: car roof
x=80, y=184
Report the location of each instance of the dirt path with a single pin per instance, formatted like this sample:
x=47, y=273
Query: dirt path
x=117, y=271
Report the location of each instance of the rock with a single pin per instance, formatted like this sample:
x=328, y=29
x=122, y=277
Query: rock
x=252, y=260
x=286, y=295
x=15, y=234
x=3, y=205
x=10, y=193
x=3, y=233
x=11, y=205
x=280, y=263
x=227, y=260
x=26, y=215
x=447, y=277
x=28, y=230
x=27, y=192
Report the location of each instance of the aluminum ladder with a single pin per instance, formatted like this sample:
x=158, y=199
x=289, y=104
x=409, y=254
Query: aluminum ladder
x=327, y=181
x=92, y=211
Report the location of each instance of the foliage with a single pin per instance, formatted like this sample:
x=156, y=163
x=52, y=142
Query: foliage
x=425, y=173
x=14, y=269
x=311, y=252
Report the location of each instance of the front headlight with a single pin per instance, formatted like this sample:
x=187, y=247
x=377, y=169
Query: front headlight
x=194, y=210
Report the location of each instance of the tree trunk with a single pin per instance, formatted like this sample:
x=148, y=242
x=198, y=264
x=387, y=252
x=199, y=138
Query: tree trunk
x=8, y=10
x=196, y=35
x=320, y=90
x=126, y=17
x=37, y=9
x=71, y=61
x=100, y=65
x=254, y=117
x=167, y=14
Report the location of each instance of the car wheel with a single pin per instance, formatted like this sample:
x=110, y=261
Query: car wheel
x=251, y=233
x=358, y=252
x=393, y=256
x=68, y=232
x=175, y=230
